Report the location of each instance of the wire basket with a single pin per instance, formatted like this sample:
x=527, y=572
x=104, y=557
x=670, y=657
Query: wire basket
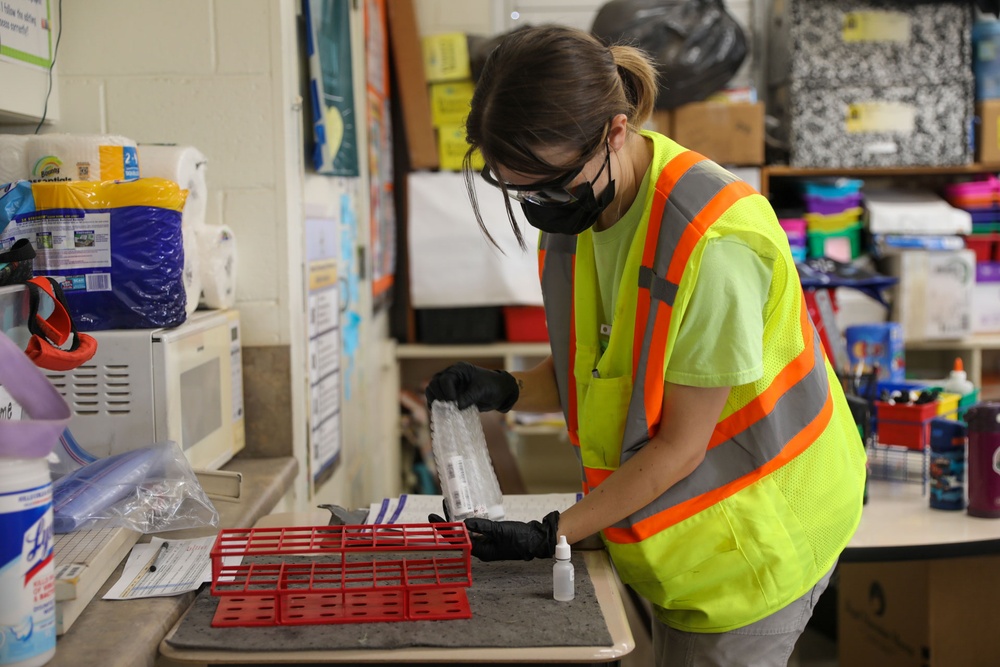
x=371, y=573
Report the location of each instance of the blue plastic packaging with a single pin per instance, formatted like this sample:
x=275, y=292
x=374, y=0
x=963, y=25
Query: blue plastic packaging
x=116, y=247
x=986, y=61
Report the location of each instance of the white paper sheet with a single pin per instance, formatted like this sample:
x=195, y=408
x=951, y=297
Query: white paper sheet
x=183, y=566
x=415, y=508
x=452, y=264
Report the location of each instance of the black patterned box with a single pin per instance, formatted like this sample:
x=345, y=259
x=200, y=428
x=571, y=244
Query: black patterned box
x=869, y=42
x=878, y=126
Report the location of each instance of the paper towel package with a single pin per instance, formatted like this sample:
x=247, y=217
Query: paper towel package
x=81, y=157
x=217, y=257
x=13, y=159
x=184, y=165
x=116, y=247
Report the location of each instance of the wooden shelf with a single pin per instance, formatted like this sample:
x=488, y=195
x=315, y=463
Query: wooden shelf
x=785, y=171
x=975, y=342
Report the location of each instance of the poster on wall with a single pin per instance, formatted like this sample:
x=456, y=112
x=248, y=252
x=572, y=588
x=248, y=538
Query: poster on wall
x=324, y=331
x=383, y=215
x=26, y=33
x=331, y=86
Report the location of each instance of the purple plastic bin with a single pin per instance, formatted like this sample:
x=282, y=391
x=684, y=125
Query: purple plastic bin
x=985, y=214
x=831, y=206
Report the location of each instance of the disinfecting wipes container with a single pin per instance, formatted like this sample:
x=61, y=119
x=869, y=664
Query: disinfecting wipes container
x=27, y=577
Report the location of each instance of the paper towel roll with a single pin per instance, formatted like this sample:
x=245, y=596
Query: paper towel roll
x=217, y=256
x=184, y=165
x=192, y=268
x=13, y=159
x=81, y=157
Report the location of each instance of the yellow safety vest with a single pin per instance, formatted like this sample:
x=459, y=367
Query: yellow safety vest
x=779, y=493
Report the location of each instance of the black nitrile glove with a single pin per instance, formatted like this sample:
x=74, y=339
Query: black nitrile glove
x=513, y=540
x=467, y=385
x=436, y=518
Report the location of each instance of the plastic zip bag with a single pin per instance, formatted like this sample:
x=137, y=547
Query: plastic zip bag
x=149, y=490
x=465, y=471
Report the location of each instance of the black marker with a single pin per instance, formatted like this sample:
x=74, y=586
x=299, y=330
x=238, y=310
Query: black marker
x=159, y=555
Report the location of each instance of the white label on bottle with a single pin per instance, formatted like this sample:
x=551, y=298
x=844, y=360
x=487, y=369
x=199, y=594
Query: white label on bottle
x=458, y=486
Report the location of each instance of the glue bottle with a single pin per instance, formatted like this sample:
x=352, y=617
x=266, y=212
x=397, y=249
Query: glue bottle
x=27, y=576
x=958, y=380
x=563, y=583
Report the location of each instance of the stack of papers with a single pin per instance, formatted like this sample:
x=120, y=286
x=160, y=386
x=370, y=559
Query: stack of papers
x=184, y=565
x=415, y=508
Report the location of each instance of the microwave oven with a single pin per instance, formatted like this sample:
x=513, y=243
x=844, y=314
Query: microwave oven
x=149, y=385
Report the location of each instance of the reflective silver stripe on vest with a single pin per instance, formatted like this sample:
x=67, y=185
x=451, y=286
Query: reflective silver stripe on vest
x=693, y=191
x=753, y=447
x=557, y=296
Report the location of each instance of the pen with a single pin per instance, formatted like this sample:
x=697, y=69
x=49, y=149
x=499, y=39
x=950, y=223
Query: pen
x=159, y=555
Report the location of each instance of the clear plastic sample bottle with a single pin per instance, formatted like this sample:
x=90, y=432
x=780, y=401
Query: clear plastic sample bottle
x=563, y=573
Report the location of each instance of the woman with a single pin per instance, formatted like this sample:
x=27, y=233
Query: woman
x=720, y=460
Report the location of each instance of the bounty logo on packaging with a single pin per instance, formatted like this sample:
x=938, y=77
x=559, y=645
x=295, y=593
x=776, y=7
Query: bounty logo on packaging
x=47, y=167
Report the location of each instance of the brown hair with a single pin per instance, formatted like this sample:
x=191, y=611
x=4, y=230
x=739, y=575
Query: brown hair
x=552, y=86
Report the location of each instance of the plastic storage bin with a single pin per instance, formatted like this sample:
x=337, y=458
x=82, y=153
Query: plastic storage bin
x=905, y=425
x=818, y=241
x=525, y=324
x=833, y=223
x=832, y=189
x=831, y=205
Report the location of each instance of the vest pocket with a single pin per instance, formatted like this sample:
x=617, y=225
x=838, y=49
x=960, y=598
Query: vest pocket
x=602, y=407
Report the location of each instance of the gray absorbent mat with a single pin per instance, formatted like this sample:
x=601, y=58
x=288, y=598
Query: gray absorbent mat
x=511, y=604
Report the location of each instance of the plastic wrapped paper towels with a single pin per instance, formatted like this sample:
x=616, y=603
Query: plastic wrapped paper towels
x=217, y=257
x=13, y=158
x=184, y=165
x=81, y=157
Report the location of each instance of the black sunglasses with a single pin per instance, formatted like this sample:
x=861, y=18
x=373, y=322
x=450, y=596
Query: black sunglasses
x=549, y=193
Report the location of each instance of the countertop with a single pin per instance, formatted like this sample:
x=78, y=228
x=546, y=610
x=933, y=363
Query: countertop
x=127, y=633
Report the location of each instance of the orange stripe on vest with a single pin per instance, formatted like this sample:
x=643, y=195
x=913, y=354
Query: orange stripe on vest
x=674, y=515
x=762, y=405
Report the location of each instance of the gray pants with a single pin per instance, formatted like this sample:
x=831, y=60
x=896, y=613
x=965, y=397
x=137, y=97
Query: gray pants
x=767, y=643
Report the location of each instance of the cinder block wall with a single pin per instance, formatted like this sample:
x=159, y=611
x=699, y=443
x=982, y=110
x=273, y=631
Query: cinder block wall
x=221, y=75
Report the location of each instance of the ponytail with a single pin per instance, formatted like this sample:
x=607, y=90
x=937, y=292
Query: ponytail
x=638, y=76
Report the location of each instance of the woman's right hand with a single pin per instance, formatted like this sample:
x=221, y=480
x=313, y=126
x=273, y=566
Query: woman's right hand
x=467, y=385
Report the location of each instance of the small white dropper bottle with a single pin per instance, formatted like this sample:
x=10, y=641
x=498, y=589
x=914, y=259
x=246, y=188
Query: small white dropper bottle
x=563, y=584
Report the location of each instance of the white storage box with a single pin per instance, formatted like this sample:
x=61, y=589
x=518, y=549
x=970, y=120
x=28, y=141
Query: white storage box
x=986, y=298
x=905, y=212
x=933, y=299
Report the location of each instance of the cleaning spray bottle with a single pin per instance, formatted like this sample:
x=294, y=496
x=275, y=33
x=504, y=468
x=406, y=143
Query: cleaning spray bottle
x=563, y=580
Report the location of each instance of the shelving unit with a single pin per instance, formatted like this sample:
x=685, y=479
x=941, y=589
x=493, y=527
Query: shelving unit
x=784, y=171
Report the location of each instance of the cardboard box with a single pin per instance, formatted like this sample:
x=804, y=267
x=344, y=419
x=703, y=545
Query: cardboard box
x=933, y=299
x=452, y=148
x=988, y=131
x=446, y=57
x=723, y=132
x=871, y=126
x=450, y=102
x=414, y=101
x=930, y=613
x=835, y=43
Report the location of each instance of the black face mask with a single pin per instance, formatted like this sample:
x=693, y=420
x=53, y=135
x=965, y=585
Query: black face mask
x=573, y=218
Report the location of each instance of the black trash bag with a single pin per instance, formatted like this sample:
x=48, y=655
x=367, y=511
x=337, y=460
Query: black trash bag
x=697, y=45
